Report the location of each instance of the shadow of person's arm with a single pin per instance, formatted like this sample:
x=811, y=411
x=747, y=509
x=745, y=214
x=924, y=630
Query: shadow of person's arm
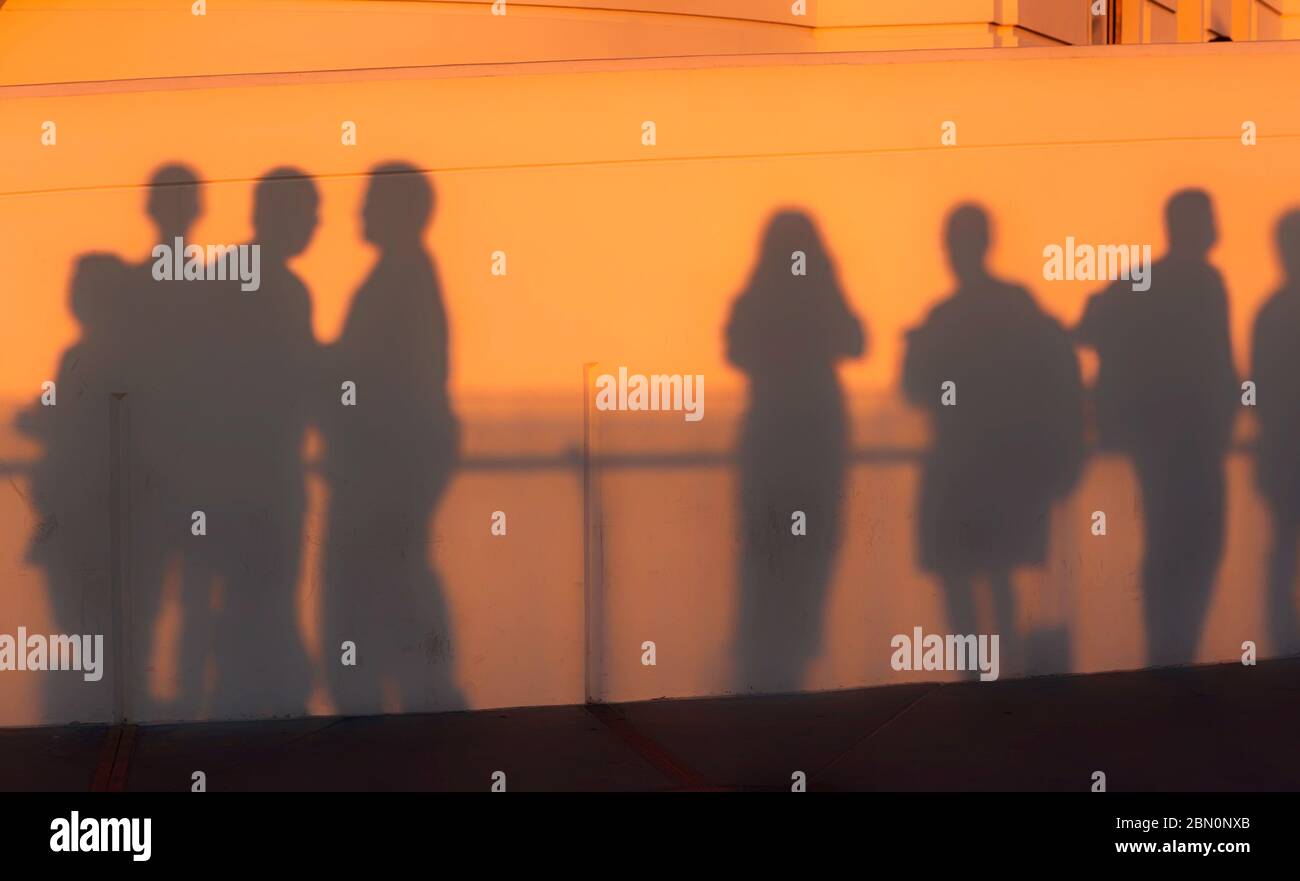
x=37, y=420
x=1092, y=325
x=919, y=382
x=848, y=333
x=322, y=381
x=33, y=422
x=1268, y=359
x=1222, y=360
x=743, y=346
x=1066, y=392
x=1269, y=352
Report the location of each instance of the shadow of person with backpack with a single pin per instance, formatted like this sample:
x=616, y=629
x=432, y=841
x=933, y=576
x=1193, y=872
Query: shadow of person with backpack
x=1001, y=383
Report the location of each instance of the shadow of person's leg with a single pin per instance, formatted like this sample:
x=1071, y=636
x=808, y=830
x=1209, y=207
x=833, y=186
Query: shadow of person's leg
x=196, y=618
x=959, y=592
x=1004, y=618
x=1283, y=626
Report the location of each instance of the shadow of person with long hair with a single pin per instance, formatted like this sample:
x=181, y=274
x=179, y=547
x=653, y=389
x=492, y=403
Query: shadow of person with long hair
x=1166, y=395
x=787, y=331
x=261, y=390
x=1001, y=383
x=391, y=446
x=1275, y=368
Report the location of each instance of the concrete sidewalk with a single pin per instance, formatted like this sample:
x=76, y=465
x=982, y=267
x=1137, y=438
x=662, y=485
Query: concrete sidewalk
x=1223, y=727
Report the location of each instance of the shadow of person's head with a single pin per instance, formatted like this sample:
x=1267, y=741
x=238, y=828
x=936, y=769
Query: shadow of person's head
x=91, y=298
x=1287, y=238
x=1189, y=223
x=791, y=239
x=399, y=205
x=285, y=211
x=967, y=237
x=174, y=200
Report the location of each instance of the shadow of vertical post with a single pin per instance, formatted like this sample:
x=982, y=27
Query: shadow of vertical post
x=592, y=552
x=119, y=525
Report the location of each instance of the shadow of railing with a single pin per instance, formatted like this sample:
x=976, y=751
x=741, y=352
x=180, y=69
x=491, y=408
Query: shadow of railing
x=572, y=459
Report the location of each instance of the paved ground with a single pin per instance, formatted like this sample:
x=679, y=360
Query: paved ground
x=1224, y=727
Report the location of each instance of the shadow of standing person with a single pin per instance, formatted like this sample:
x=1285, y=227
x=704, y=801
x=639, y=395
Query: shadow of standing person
x=389, y=458
x=1166, y=396
x=1000, y=380
x=1275, y=369
x=168, y=345
x=260, y=384
x=70, y=483
x=145, y=334
x=787, y=331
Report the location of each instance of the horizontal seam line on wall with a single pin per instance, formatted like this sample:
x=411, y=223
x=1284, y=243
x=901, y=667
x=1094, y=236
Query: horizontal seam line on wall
x=638, y=64
x=735, y=157
x=880, y=455
x=542, y=9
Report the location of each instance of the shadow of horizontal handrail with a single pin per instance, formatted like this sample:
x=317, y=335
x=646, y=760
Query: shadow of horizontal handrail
x=572, y=459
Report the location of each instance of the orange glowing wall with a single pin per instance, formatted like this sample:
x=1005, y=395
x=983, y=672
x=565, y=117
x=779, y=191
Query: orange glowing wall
x=626, y=254
x=64, y=40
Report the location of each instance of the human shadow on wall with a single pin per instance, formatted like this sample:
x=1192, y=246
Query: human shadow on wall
x=1275, y=370
x=168, y=372
x=221, y=379
x=70, y=484
x=215, y=383
x=1166, y=397
x=257, y=403
x=1001, y=383
x=787, y=331
x=222, y=367
x=135, y=340
x=391, y=446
